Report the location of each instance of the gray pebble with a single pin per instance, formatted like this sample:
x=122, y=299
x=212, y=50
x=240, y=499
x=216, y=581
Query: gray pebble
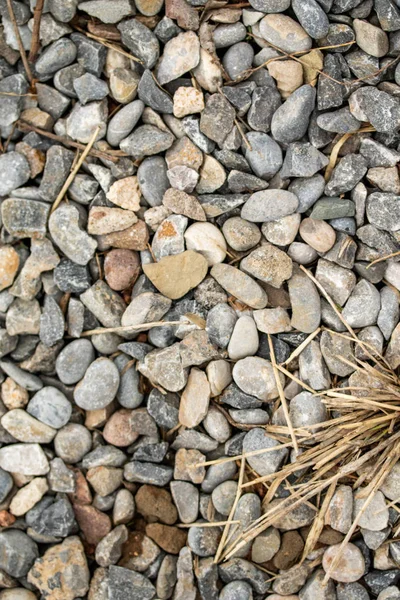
x=72, y=442
x=51, y=407
x=14, y=172
x=99, y=385
x=203, y=541
x=18, y=552
x=56, y=56
x=141, y=41
x=265, y=156
x=238, y=59
x=291, y=120
x=142, y=472
x=74, y=360
x=263, y=464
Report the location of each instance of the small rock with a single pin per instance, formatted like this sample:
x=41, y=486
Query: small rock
x=351, y=565
x=175, y=275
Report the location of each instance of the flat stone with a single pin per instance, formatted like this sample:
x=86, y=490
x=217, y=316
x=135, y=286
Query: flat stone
x=75, y=243
x=239, y=285
x=27, y=459
x=269, y=205
x=106, y=305
x=285, y=33
x=146, y=140
x=175, y=275
x=269, y=264
x=108, y=13
x=305, y=301
x=317, y=234
x=141, y=41
x=25, y=428
x=181, y=54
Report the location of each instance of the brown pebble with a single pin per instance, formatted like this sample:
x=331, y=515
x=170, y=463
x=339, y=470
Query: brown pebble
x=156, y=504
x=118, y=431
x=9, y=263
x=121, y=268
x=93, y=523
x=290, y=551
x=6, y=519
x=82, y=493
x=170, y=539
x=135, y=237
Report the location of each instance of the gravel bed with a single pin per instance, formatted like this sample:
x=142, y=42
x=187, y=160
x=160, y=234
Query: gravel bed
x=199, y=235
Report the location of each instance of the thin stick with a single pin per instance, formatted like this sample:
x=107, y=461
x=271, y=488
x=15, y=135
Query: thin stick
x=129, y=328
x=113, y=155
x=282, y=395
x=303, y=345
x=378, y=260
x=109, y=45
x=231, y=514
x=78, y=165
x=220, y=461
x=336, y=149
x=20, y=44
x=35, y=44
x=212, y=524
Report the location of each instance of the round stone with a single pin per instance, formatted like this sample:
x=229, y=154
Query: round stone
x=72, y=442
x=203, y=541
x=241, y=235
x=99, y=385
x=223, y=496
x=255, y=376
x=317, y=234
x=351, y=565
x=285, y=33
x=121, y=268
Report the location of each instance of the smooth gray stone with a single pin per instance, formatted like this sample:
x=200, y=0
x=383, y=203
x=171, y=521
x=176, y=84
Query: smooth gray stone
x=51, y=407
x=10, y=106
x=238, y=59
x=128, y=394
x=26, y=380
x=311, y=17
x=291, y=120
x=58, y=55
x=74, y=360
x=122, y=123
x=265, y=156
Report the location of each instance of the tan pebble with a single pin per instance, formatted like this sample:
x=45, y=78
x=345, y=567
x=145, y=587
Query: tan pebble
x=187, y=101
x=350, y=566
x=123, y=85
x=38, y=118
x=103, y=220
x=317, y=234
x=175, y=275
x=28, y=496
x=125, y=193
x=35, y=157
x=288, y=75
x=195, y=399
x=9, y=263
x=13, y=395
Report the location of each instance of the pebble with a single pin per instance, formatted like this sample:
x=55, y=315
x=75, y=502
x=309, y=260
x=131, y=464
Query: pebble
x=291, y=120
x=103, y=377
x=366, y=295
x=27, y=459
x=207, y=240
x=269, y=264
x=264, y=155
x=181, y=54
x=238, y=59
x=239, y=285
x=285, y=33
x=19, y=552
x=72, y=442
x=305, y=301
x=350, y=566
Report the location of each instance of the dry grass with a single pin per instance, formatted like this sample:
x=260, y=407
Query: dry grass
x=358, y=445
